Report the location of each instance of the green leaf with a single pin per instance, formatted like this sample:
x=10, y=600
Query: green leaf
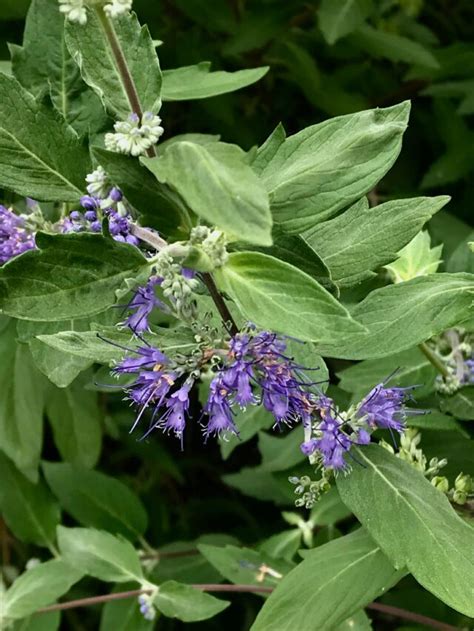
x=60, y=367
x=280, y=454
x=217, y=184
x=329, y=510
x=338, y=18
x=283, y=545
x=327, y=167
x=191, y=567
x=263, y=485
x=461, y=404
x=294, y=249
x=72, y=276
x=28, y=509
x=280, y=297
x=333, y=582
x=103, y=349
x=392, y=46
x=91, y=51
x=362, y=239
x=413, y=523
x=242, y=565
x=417, y=258
x=161, y=207
x=40, y=156
x=198, y=82
x=249, y=422
x=45, y=622
x=401, y=316
x=44, y=65
x=408, y=368
x=267, y=151
x=76, y=420
x=100, y=554
x=97, y=500
x=38, y=587
x=21, y=403
x=177, y=600
x=124, y=615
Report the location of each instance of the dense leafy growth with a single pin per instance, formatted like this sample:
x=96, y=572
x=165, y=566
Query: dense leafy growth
x=209, y=309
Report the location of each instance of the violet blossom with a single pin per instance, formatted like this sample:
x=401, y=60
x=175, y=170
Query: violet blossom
x=15, y=237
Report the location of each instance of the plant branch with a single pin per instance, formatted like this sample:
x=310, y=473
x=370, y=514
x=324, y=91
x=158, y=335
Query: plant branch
x=434, y=359
x=411, y=615
x=219, y=301
x=122, y=66
x=389, y=610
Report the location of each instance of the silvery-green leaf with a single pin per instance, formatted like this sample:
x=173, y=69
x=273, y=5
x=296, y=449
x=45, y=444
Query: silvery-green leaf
x=92, y=52
x=198, y=82
x=40, y=155
x=360, y=240
x=326, y=167
x=413, y=523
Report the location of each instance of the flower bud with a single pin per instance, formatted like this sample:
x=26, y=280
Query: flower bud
x=441, y=483
x=463, y=483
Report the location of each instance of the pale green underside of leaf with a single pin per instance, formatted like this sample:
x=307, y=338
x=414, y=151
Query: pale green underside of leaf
x=362, y=239
x=326, y=167
x=100, y=554
x=177, y=600
x=40, y=156
x=198, y=82
x=333, y=582
x=280, y=297
x=400, y=316
x=39, y=587
x=413, y=523
x=90, y=50
x=71, y=276
x=217, y=184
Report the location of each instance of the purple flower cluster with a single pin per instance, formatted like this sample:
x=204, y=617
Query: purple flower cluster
x=253, y=361
x=158, y=386
x=258, y=360
x=382, y=408
x=15, y=238
x=102, y=200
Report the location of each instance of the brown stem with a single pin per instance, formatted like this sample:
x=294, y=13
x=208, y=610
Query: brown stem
x=219, y=301
x=411, y=615
x=397, y=612
x=122, y=66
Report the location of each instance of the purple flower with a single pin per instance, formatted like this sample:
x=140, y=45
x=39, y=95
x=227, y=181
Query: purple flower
x=143, y=303
x=468, y=377
x=15, y=238
x=258, y=360
x=385, y=407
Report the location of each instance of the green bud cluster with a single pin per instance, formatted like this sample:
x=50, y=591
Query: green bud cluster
x=178, y=289
x=309, y=490
x=212, y=242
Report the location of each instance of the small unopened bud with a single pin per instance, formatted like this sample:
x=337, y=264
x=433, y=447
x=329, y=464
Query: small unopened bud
x=441, y=483
x=463, y=483
x=459, y=497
